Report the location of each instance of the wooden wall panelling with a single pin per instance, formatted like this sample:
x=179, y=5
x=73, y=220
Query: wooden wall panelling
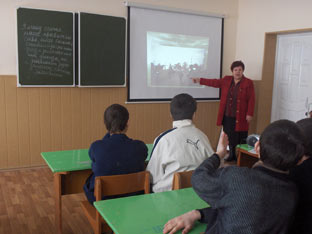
x=156, y=123
x=148, y=121
x=100, y=100
x=69, y=118
x=138, y=124
x=206, y=118
x=3, y=126
x=85, y=103
x=23, y=126
x=56, y=119
x=132, y=120
x=11, y=122
x=76, y=117
x=67, y=124
x=34, y=126
x=45, y=122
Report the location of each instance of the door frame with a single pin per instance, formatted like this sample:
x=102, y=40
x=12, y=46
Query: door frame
x=267, y=79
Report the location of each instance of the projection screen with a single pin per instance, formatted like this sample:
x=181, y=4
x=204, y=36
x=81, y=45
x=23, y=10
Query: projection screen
x=167, y=48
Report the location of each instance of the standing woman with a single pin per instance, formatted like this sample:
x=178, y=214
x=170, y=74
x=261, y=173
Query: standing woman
x=236, y=104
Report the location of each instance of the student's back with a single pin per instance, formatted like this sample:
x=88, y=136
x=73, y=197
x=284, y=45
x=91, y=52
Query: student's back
x=182, y=148
x=115, y=154
x=247, y=200
x=302, y=175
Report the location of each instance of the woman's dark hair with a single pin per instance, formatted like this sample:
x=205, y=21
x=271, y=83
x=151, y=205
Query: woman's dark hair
x=306, y=127
x=116, y=118
x=182, y=106
x=237, y=64
x=282, y=145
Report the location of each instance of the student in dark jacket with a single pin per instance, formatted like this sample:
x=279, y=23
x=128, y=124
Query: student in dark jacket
x=302, y=175
x=116, y=153
x=248, y=201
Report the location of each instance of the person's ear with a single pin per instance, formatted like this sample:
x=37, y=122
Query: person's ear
x=257, y=148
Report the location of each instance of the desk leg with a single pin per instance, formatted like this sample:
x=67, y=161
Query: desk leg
x=58, y=202
x=239, y=156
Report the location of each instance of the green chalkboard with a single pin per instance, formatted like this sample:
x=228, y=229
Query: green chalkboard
x=102, y=50
x=45, y=41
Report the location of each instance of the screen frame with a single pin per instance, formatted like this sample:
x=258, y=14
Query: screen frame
x=153, y=100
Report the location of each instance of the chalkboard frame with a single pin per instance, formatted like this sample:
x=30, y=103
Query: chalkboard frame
x=19, y=82
x=124, y=78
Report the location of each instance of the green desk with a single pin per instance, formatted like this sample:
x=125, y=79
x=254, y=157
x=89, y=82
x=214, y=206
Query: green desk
x=246, y=157
x=147, y=214
x=71, y=168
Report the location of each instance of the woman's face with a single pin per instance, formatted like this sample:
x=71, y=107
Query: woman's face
x=237, y=73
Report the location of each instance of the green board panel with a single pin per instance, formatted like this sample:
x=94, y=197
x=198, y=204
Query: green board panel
x=102, y=50
x=45, y=41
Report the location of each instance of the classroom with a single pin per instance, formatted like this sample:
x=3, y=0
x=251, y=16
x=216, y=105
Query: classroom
x=45, y=119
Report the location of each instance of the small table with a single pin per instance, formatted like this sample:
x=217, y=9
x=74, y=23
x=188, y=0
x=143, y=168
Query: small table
x=71, y=168
x=147, y=214
x=246, y=157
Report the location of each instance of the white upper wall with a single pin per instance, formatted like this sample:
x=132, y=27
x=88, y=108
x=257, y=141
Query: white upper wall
x=109, y=7
x=258, y=17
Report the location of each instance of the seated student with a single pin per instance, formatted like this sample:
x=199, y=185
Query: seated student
x=182, y=148
x=243, y=200
x=115, y=154
x=302, y=175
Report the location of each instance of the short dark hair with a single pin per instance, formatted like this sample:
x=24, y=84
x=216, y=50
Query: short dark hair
x=116, y=118
x=306, y=127
x=281, y=145
x=182, y=106
x=237, y=64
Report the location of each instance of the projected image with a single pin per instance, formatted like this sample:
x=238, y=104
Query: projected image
x=172, y=59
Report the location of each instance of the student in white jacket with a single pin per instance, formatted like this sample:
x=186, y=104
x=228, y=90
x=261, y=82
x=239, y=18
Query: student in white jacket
x=182, y=148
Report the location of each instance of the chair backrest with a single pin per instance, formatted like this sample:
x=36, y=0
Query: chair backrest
x=182, y=180
x=121, y=184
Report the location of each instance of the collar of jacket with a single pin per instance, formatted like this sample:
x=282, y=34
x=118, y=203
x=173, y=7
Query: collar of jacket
x=261, y=164
x=182, y=123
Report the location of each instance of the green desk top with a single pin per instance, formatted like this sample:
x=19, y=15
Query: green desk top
x=245, y=147
x=73, y=160
x=67, y=160
x=147, y=214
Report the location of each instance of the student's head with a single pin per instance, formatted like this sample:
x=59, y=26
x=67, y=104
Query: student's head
x=182, y=106
x=281, y=145
x=116, y=118
x=237, y=64
x=306, y=127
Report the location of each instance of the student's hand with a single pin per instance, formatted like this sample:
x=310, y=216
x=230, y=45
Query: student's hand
x=303, y=159
x=248, y=118
x=222, y=145
x=185, y=221
x=196, y=80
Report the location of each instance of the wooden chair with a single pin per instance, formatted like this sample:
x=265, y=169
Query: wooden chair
x=182, y=180
x=110, y=186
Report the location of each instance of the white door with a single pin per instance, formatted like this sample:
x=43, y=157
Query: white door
x=292, y=90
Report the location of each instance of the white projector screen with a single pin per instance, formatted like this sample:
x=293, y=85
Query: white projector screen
x=166, y=49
